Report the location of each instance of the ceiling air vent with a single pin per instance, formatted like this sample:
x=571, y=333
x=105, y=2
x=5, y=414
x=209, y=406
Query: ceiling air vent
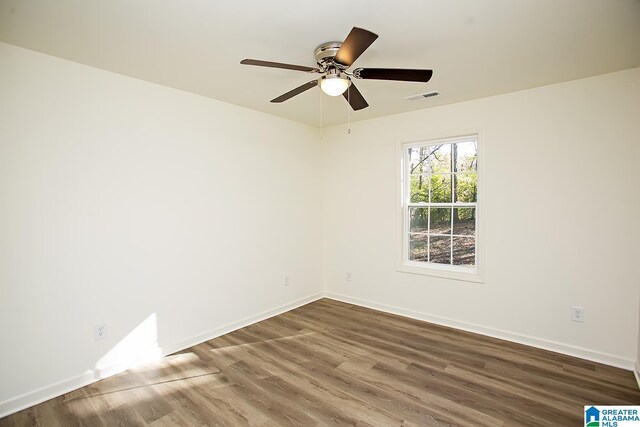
x=423, y=95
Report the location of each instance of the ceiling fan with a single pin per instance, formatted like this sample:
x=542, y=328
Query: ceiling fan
x=334, y=58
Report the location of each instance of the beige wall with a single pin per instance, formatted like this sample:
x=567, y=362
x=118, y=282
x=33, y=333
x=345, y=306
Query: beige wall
x=156, y=211
x=559, y=216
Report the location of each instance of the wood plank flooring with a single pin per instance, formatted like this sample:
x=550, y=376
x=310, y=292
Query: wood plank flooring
x=331, y=363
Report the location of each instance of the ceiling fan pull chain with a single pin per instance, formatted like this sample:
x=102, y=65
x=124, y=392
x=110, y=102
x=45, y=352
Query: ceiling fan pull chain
x=321, y=115
x=349, y=111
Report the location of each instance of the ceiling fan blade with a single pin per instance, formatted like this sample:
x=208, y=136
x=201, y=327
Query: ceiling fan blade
x=393, y=74
x=356, y=42
x=355, y=98
x=296, y=91
x=270, y=64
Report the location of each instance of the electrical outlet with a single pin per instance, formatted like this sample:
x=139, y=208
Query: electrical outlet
x=287, y=282
x=348, y=277
x=100, y=331
x=577, y=314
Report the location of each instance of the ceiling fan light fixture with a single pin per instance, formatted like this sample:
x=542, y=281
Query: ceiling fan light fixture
x=334, y=84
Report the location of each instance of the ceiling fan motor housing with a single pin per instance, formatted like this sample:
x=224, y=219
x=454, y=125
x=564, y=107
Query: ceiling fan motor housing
x=326, y=52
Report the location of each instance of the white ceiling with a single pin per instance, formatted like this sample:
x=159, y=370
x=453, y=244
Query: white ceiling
x=476, y=48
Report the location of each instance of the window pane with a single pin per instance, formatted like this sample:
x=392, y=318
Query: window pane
x=440, y=248
x=464, y=221
x=414, y=160
x=466, y=187
x=440, y=188
x=420, y=161
x=440, y=221
x=464, y=251
x=466, y=158
x=438, y=158
x=419, y=219
x=418, y=247
x=419, y=189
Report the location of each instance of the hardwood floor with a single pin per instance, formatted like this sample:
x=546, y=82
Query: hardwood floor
x=335, y=363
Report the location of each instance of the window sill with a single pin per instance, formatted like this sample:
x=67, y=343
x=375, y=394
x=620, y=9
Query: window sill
x=464, y=275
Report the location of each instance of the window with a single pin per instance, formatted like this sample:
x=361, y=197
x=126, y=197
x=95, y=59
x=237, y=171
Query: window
x=440, y=205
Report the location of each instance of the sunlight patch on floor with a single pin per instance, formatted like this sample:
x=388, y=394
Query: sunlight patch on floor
x=237, y=347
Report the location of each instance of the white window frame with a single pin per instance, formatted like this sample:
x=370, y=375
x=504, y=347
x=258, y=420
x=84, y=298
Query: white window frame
x=468, y=274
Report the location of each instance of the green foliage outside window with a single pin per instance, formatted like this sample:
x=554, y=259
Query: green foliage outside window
x=449, y=181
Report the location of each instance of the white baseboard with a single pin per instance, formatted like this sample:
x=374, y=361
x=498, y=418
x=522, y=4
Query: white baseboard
x=34, y=397
x=31, y=398
x=636, y=372
x=206, y=336
x=583, y=353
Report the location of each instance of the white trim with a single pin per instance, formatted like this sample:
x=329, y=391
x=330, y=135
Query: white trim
x=208, y=335
x=636, y=372
x=467, y=137
x=40, y=395
x=434, y=270
x=582, y=353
